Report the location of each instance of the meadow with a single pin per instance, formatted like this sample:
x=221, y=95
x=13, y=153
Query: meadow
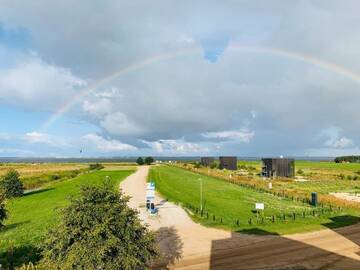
x=33, y=214
x=231, y=206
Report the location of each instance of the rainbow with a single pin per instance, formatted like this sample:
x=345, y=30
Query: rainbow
x=332, y=67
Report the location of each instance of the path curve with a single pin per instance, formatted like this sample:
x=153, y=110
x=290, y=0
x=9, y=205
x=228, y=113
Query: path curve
x=209, y=248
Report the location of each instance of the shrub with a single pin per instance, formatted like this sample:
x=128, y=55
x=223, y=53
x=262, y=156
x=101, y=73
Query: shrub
x=197, y=165
x=99, y=231
x=213, y=165
x=149, y=160
x=140, y=161
x=11, y=184
x=55, y=177
x=3, y=212
x=96, y=166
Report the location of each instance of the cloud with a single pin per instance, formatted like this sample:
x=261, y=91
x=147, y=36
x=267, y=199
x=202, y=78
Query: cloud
x=35, y=137
x=240, y=135
x=187, y=96
x=177, y=147
x=105, y=145
x=35, y=84
x=334, y=139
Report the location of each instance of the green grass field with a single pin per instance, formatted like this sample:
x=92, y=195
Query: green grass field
x=232, y=202
x=33, y=214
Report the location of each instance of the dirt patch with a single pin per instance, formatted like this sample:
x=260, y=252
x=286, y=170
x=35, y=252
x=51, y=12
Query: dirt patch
x=353, y=197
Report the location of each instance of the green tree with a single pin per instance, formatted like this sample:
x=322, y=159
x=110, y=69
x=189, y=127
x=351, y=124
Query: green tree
x=149, y=160
x=11, y=184
x=3, y=212
x=140, y=161
x=99, y=231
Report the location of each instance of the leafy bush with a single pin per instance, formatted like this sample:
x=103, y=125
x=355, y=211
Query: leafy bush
x=96, y=166
x=242, y=167
x=140, y=161
x=213, y=165
x=149, y=160
x=11, y=184
x=55, y=177
x=300, y=172
x=99, y=231
x=3, y=212
x=197, y=165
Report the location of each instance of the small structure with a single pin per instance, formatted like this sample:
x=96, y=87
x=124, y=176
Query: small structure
x=229, y=163
x=207, y=161
x=278, y=167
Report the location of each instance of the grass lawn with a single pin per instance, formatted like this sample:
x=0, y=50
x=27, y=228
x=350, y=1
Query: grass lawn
x=33, y=214
x=232, y=202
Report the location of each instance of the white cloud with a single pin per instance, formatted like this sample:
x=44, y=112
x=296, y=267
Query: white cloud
x=334, y=139
x=106, y=145
x=343, y=142
x=35, y=84
x=37, y=137
x=118, y=123
x=176, y=147
x=243, y=135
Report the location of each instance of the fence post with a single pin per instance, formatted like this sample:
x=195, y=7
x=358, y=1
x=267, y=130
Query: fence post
x=294, y=215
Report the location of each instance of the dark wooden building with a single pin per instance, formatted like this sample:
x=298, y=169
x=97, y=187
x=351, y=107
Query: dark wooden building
x=207, y=161
x=278, y=167
x=228, y=163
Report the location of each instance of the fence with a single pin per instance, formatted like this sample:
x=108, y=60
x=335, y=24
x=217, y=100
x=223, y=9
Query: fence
x=324, y=211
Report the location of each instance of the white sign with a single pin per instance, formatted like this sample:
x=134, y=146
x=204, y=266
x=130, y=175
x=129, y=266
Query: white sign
x=150, y=194
x=259, y=206
x=270, y=185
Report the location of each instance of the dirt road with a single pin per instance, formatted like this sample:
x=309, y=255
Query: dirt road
x=206, y=248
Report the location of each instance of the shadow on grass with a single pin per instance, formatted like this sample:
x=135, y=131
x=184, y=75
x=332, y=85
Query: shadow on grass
x=12, y=226
x=37, y=191
x=170, y=248
x=341, y=221
x=256, y=231
x=17, y=256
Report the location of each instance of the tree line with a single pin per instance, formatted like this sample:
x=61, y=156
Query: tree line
x=347, y=159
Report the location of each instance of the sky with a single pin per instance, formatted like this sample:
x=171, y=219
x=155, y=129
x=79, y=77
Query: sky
x=179, y=78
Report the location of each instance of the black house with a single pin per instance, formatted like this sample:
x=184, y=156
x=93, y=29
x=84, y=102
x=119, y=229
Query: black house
x=229, y=163
x=278, y=167
x=207, y=161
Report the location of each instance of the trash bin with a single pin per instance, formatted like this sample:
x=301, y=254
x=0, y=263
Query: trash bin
x=314, y=199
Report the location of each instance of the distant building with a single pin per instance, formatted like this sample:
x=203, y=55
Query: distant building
x=278, y=167
x=207, y=161
x=228, y=163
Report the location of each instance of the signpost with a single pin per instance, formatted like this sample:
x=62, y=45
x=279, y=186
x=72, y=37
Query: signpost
x=150, y=197
x=259, y=208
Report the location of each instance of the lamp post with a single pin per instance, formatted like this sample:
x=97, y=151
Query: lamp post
x=201, y=194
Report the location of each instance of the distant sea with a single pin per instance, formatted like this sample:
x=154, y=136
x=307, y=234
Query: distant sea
x=128, y=159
